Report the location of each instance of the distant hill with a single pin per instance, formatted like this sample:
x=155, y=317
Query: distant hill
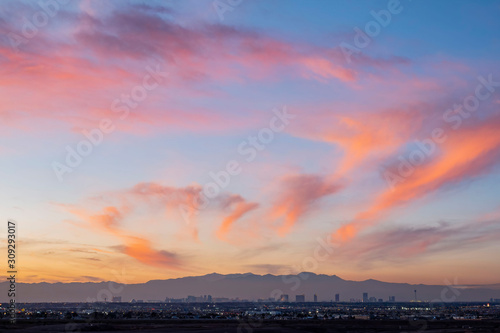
x=245, y=286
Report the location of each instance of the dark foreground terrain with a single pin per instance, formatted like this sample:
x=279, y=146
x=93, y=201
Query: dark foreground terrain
x=209, y=326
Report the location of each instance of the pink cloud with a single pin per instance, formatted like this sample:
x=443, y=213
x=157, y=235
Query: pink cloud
x=75, y=77
x=298, y=195
x=238, y=207
x=468, y=152
x=139, y=248
x=403, y=244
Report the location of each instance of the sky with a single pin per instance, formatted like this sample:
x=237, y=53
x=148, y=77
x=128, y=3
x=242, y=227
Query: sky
x=161, y=139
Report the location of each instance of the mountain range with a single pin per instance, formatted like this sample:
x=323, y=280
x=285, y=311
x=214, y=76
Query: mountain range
x=250, y=287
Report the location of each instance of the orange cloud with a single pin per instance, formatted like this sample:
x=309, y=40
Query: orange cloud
x=371, y=134
x=136, y=247
x=361, y=136
x=239, y=208
x=403, y=243
x=186, y=201
x=141, y=249
x=466, y=153
x=299, y=194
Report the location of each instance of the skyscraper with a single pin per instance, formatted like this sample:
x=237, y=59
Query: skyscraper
x=300, y=298
x=337, y=297
x=365, y=297
x=315, y=297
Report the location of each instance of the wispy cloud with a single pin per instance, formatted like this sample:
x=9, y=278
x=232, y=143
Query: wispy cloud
x=406, y=243
x=109, y=221
x=299, y=195
x=467, y=153
x=238, y=207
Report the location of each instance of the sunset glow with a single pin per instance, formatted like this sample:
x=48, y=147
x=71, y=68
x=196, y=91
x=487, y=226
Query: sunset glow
x=164, y=139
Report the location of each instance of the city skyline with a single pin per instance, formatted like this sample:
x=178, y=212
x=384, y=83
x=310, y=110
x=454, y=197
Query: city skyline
x=154, y=140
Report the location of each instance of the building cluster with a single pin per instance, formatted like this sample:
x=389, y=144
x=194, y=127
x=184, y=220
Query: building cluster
x=365, y=299
x=284, y=298
x=265, y=311
x=372, y=299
